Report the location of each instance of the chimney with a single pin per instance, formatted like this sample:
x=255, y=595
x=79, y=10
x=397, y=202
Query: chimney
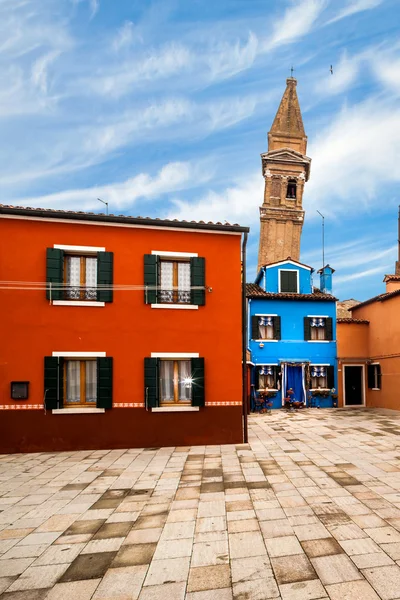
x=325, y=275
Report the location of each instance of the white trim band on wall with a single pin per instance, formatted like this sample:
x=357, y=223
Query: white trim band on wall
x=79, y=248
x=174, y=254
x=77, y=303
x=176, y=355
x=79, y=354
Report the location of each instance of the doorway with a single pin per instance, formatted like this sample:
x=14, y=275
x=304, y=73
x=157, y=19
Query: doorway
x=353, y=385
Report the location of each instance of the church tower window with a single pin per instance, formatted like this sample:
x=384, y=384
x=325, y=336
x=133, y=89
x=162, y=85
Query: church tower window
x=291, y=189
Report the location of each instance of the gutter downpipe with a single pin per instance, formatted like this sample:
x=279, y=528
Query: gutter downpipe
x=244, y=341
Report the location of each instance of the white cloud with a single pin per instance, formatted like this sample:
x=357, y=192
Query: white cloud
x=298, y=20
x=122, y=195
x=124, y=37
x=353, y=7
x=344, y=74
x=94, y=7
x=238, y=203
x=353, y=156
x=39, y=70
x=229, y=59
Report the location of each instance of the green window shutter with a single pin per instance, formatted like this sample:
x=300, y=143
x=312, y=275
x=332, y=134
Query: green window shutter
x=197, y=279
x=151, y=396
x=329, y=329
x=276, y=376
x=277, y=328
x=198, y=396
x=54, y=274
x=255, y=333
x=104, y=382
x=307, y=328
x=288, y=281
x=330, y=377
x=105, y=268
x=53, y=382
x=150, y=278
x=371, y=378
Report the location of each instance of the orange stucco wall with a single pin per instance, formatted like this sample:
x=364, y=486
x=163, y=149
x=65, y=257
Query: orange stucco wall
x=353, y=348
x=126, y=329
x=384, y=348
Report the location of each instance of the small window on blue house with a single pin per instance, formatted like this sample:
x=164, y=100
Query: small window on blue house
x=318, y=329
x=267, y=377
x=266, y=327
x=289, y=282
x=318, y=377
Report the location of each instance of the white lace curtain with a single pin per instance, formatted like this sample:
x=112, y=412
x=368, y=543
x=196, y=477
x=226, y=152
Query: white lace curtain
x=266, y=328
x=74, y=264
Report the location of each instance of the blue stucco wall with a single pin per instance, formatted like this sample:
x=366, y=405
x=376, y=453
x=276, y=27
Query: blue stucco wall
x=269, y=278
x=292, y=346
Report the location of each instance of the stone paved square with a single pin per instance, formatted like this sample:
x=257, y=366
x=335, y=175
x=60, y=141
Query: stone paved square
x=309, y=509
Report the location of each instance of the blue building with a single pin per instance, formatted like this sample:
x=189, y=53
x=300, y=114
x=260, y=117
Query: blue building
x=292, y=335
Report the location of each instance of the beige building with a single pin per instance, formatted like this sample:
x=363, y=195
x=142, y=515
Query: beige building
x=285, y=168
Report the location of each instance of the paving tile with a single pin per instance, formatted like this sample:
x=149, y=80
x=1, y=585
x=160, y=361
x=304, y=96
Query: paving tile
x=39, y=538
x=335, y=569
x=14, y=566
x=39, y=594
x=256, y=589
x=88, y=566
x=103, y=545
x=303, y=590
x=298, y=568
x=322, y=547
x=121, y=584
x=5, y=583
x=136, y=554
x=173, y=549
x=311, y=532
x=84, y=527
x=75, y=590
x=113, y=530
x=59, y=554
x=210, y=553
x=352, y=590
x=39, y=577
x=177, y=531
x=222, y=594
x=283, y=546
x=24, y=552
x=244, y=525
x=385, y=581
x=167, y=591
x=376, y=559
x=278, y=528
x=246, y=569
x=363, y=546
x=383, y=535
x=209, y=578
x=171, y=570
x=246, y=544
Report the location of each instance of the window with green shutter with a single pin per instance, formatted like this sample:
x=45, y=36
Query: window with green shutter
x=54, y=274
x=174, y=281
x=151, y=262
x=104, y=382
x=53, y=382
x=105, y=269
x=265, y=327
x=173, y=382
x=288, y=282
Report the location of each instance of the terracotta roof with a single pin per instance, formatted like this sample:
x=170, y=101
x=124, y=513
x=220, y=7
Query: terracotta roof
x=380, y=298
x=255, y=291
x=391, y=278
x=29, y=211
x=358, y=321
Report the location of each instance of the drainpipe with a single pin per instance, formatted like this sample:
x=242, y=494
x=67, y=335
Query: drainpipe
x=244, y=341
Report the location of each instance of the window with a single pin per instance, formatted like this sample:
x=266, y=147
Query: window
x=288, y=281
x=291, y=189
x=80, y=381
x=318, y=377
x=318, y=328
x=80, y=273
x=267, y=377
x=266, y=327
x=174, y=277
x=175, y=382
x=374, y=376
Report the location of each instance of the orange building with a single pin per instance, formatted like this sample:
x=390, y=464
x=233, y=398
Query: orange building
x=118, y=332
x=369, y=349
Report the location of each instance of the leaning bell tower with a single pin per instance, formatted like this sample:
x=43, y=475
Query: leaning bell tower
x=285, y=168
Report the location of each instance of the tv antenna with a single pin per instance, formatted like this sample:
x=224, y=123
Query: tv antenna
x=106, y=203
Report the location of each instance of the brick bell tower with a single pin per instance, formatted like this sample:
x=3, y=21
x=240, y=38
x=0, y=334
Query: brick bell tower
x=285, y=168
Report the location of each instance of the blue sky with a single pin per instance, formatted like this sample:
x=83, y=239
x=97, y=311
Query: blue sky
x=162, y=108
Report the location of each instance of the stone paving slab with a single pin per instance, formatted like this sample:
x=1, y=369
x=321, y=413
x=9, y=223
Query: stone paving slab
x=308, y=510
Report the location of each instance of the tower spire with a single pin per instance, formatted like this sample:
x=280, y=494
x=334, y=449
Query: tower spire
x=287, y=129
x=285, y=168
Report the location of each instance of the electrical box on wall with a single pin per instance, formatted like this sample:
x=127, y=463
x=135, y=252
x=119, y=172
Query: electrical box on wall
x=19, y=390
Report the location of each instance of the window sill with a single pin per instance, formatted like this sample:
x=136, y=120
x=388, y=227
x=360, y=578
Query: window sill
x=182, y=306
x=375, y=389
x=77, y=411
x=77, y=303
x=320, y=389
x=176, y=409
x=320, y=341
x=266, y=340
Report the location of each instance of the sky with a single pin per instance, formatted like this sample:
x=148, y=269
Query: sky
x=162, y=108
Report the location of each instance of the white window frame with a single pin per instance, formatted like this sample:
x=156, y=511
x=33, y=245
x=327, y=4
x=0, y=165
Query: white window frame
x=90, y=250
x=262, y=340
x=319, y=317
x=376, y=364
x=269, y=365
x=298, y=280
x=175, y=356
x=320, y=365
x=172, y=254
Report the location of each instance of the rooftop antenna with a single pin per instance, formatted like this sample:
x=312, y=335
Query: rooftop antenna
x=106, y=203
x=323, y=238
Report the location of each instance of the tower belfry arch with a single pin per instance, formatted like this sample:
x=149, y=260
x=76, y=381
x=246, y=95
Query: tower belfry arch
x=285, y=168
